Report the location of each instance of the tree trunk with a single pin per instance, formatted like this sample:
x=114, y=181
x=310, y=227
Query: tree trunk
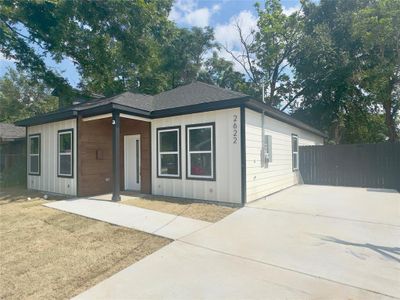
x=389, y=120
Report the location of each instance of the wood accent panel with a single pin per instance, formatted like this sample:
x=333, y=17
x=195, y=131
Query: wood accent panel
x=95, y=175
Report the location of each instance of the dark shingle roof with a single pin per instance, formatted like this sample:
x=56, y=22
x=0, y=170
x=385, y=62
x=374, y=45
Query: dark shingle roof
x=193, y=93
x=10, y=131
x=193, y=97
x=139, y=101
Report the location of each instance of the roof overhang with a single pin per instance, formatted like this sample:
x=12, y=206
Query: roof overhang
x=281, y=116
x=108, y=108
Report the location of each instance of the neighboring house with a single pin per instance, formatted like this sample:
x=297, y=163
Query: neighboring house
x=12, y=155
x=197, y=141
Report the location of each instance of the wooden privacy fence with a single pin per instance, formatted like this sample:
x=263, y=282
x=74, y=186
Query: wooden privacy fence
x=360, y=165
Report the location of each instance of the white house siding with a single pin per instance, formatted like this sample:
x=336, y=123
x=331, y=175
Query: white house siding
x=48, y=180
x=227, y=186
x=279, y=175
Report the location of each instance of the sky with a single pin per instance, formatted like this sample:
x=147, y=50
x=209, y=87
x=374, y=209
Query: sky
x=222, y=15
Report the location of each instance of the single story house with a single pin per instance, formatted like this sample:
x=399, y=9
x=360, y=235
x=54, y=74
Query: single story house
x=196, y=141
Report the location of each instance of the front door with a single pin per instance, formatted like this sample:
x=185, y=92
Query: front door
x=132, y=162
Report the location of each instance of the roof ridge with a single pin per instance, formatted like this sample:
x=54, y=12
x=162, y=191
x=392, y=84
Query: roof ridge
x=221, y=88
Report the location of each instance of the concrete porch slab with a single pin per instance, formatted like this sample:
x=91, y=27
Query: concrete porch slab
x=150, y=221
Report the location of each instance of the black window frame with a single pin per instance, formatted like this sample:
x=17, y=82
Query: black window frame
x=39, y=136
x=179, y=148
x=213, y=153
x=63, y=131
x=295, y=136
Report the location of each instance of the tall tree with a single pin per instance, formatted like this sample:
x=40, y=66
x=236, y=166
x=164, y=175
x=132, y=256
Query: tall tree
x=326, y=61
x=114, y=44
x=184, y=53
x=378, y=27
x=265, y=54
x=220, y=72
x=22, y=96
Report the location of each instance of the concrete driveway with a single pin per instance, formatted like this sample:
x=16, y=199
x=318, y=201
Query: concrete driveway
x=307, y=242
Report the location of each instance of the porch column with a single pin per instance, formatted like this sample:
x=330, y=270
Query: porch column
x=116, y=155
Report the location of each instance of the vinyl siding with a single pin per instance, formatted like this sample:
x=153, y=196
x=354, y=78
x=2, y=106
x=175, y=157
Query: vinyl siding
x=48, y=181
x=227, y=186
x=279, y=175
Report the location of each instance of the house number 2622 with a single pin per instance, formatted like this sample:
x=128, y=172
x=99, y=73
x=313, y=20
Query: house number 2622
x=235, y=129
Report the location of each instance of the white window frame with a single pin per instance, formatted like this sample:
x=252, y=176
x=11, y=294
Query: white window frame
x=34, y=136
x=70, y=154
x=178, y=152
x=295, y=136
x=189, y=175
x=266, y=151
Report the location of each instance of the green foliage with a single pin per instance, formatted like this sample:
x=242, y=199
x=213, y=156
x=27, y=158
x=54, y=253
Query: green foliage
x=113, y=43
x=220, y=72
x=377, y=26
x=183, y=53
x=22, y=96
x=337, y=67
x=276, y=41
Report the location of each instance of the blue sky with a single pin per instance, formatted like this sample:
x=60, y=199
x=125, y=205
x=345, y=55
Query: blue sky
x=219, y=14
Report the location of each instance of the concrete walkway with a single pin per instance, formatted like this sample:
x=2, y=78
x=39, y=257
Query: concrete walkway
x=284, y=247
x=150, y=221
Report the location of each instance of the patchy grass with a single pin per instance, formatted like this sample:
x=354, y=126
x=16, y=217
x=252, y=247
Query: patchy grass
x=191, y=209
x=46, y=253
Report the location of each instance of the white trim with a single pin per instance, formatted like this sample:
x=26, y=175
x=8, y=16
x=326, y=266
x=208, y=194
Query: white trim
x=59, y=153
x=135, y=137
x=177, y=153
x=96, y=117
x=30, y=155
x=189, y=152
x=135, y=117
x=295, y=152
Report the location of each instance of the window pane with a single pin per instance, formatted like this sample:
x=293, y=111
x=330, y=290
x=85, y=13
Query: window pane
x=34, y=168
x=169, y=164
x=35, y=145
x=65, y=143
x=200, y=139
x=169, y=141
x=65, y=164
x=294, y=144
x=200, y=164
x=294, y=158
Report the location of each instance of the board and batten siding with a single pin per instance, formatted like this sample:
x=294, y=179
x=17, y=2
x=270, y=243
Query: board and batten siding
x=48, y=181
x=227, y=186
x=278, y=175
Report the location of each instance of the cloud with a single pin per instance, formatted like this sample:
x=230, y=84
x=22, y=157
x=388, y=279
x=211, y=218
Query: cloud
x=187, y=12
x=290, y=10
x=228, y=36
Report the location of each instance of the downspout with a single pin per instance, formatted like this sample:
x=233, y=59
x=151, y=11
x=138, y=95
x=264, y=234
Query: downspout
x=262, y=154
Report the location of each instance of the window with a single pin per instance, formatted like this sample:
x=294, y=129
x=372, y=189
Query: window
x=295, y=152
x=65, y=153
x=266, y=151
x=200, y=151
x=34, y=154
x=168, y=152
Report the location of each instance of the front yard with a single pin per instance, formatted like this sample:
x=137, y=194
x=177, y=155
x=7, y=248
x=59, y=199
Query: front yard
x=46, y=253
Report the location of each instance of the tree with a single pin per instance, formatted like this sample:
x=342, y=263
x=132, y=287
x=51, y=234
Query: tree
x=183, y=54
x=377, y=26
x=325, y=64
x=220, y=72
x=266, y=52
x=22, y=96
x=114, y=44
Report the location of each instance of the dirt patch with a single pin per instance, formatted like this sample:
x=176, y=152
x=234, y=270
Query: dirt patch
x=46, y=253
x=196, y=210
